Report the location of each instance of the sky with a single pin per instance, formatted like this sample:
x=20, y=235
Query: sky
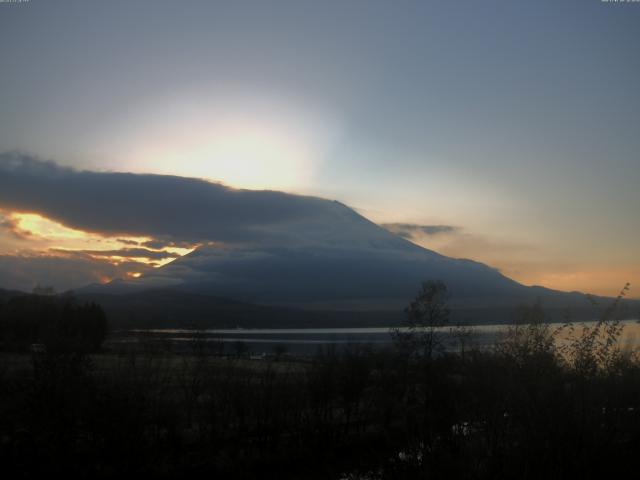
x=507, y=132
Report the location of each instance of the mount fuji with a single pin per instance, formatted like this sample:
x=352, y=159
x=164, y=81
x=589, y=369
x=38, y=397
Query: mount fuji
x=334, y=259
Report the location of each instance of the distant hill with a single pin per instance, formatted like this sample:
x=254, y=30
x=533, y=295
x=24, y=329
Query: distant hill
x=165, y=308
x=169, y=308
x=7, y=294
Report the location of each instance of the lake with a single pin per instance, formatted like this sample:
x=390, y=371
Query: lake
x=304, y=341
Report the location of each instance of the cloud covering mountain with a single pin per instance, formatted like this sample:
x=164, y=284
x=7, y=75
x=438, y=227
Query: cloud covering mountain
x=170, y=207
x=260, y=245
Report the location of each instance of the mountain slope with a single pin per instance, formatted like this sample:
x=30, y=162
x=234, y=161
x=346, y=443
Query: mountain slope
x=334, y=259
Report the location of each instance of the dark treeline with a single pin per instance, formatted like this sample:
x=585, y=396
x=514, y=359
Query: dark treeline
x=55, y=322
x=528, y=408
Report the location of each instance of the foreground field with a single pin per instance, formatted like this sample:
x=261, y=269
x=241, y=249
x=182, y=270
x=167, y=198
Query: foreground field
x=523, y=409
x=539, y=401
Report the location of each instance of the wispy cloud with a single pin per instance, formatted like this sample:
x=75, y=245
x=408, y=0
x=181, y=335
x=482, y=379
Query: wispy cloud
x=124, y=253
x=410, y=230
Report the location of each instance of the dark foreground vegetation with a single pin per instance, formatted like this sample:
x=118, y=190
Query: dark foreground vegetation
x=52, y=322
x=530, y=407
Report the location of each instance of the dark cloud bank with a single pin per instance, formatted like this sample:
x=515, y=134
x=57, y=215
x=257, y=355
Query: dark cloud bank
x=164, y=206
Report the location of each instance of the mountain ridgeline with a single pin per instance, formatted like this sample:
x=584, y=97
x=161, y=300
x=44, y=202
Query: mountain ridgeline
x=331, y=267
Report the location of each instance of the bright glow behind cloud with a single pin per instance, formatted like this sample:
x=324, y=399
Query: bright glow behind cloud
x=59, y=236
x=264, y=146
x=45, y=236
x=56, y=235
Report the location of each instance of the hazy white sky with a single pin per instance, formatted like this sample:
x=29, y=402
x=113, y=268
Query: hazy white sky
x=516, y=122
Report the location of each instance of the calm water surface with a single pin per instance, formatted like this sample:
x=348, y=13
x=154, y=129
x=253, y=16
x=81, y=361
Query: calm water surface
x=307, y=340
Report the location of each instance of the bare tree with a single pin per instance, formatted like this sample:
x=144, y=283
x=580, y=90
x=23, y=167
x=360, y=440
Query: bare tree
x=424, y=315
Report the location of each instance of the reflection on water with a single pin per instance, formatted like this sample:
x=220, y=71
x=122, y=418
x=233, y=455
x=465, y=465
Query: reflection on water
x=306, y=340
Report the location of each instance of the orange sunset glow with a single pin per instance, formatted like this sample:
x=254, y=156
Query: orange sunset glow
x=43, y=236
